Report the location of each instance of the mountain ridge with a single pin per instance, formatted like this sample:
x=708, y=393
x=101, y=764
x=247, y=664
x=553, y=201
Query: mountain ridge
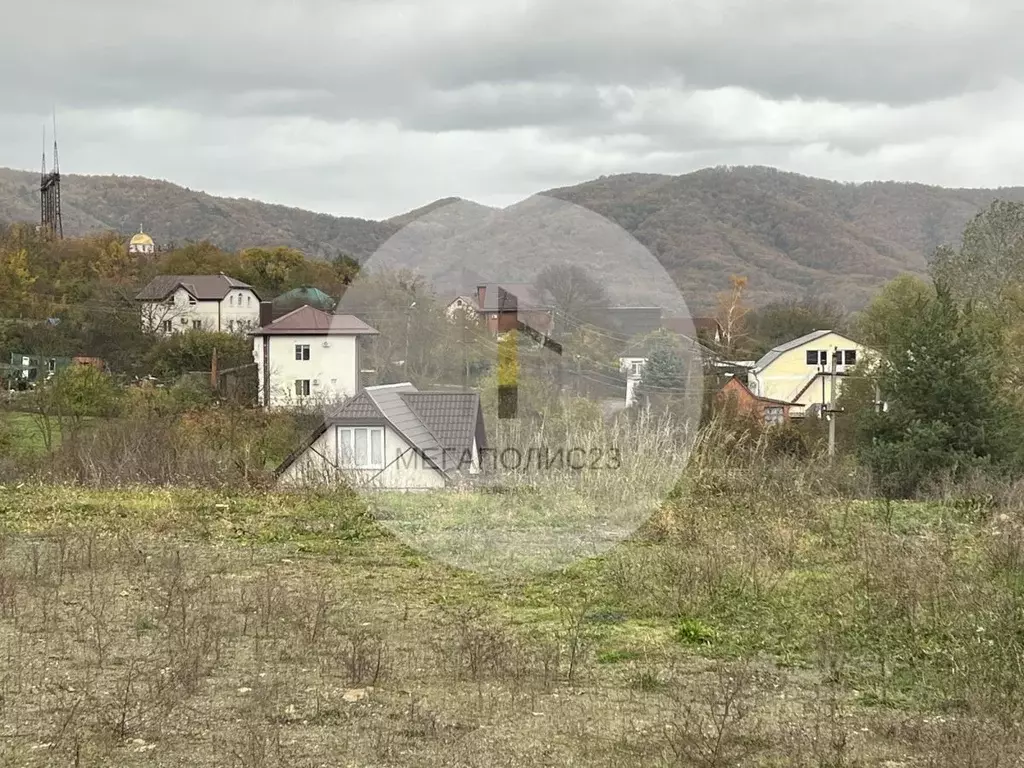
x=791, y=235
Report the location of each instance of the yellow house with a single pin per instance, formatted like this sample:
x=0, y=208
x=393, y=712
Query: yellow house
x=800, y=371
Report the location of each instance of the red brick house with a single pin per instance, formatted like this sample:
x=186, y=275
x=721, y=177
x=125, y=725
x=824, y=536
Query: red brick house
x=764, y=409
x=504, y=305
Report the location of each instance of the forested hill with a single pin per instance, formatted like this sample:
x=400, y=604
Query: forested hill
x=176, y=215
x=791, y=235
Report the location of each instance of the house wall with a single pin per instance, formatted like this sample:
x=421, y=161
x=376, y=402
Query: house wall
x=503, y=322
x=332, y=371
x=788, y=374
x=404, y=470
x=239, y=312
x=746, y=402
x=632, y=380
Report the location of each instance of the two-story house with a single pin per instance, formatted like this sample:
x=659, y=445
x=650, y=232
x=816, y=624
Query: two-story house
x=179, y=303
x=308, y=358
x=800, y=371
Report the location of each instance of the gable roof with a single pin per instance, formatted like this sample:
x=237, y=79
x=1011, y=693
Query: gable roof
x=435, y=424
x=466, y=300
x=201, y=287
x=310, y=321
x=775, y=352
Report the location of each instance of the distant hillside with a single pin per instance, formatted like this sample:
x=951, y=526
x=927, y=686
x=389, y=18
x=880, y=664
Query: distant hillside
x=173, y=214
x=791, y=235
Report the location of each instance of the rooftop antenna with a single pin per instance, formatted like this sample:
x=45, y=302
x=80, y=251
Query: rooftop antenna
x=51, y=222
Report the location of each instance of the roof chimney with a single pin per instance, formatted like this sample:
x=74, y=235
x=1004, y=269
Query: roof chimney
x=266, y=313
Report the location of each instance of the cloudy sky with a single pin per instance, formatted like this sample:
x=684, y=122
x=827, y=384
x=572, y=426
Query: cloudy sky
x=372, y=107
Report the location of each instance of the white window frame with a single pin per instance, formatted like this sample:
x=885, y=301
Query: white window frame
x=302, y=352
x=303, y=387
x=774, y=414
x=345, y=445
x=197, y=325
x=167, y=326
x=637, y=367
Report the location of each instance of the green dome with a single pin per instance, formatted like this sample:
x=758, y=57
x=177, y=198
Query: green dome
x=299, y=297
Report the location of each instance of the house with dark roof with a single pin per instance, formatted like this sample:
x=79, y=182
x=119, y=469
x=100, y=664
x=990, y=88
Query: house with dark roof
x=308, y=357
x=800, y=371
x=393, y=437
x=179, y=303
x=502, y=306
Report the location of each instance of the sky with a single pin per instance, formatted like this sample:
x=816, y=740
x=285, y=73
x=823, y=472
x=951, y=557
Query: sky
x=372, y=107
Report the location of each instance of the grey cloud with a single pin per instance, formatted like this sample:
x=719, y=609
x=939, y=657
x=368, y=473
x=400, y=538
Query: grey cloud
x=370, y=60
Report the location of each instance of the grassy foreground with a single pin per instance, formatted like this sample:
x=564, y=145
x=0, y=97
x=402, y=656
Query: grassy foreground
x=746, y=625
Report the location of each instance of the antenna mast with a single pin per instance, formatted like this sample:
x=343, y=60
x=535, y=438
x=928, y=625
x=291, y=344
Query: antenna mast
x=51, y=221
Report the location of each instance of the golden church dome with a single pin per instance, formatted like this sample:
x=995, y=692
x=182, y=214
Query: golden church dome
x=141, y=239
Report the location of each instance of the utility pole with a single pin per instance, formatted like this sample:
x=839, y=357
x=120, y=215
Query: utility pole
x=408, y=321
x=832, y=409
x=465, y=356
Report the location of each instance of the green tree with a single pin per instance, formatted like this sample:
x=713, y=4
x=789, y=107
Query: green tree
x=74, y=395
x=783, y=321
x=885, y=315
x=16, y=281
x=945, y=413
x=182, y=353
x=990, y=257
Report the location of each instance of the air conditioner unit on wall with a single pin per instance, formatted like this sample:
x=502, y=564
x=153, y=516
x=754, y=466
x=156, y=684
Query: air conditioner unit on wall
x=326, y=344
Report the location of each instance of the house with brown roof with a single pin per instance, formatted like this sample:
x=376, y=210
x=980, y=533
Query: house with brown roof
x=179, y=303
x=734, y=393
x=503, y=306
x=392, y=437
x=308, y=357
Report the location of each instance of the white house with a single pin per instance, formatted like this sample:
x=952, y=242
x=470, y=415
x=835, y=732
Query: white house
x=308, y=357
x=800, y=371
x=179, y=303
x=633, y=359
x=393, y=437
x=461, y=305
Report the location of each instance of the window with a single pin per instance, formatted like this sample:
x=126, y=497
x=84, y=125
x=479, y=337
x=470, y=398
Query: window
x=192, y=301
x=197, y=325
x=851, y=356
x=361, y=447
x=248, y=301
x=773, y=414
x=302, y=351
x=231, y=301
x=167, y=326
x=51, y=365
x=302, y=387
x=817, y=357
x=636, y=367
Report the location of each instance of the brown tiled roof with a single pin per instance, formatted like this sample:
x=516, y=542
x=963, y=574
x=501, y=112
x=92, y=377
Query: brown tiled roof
x=309, y=321
x=202, y=287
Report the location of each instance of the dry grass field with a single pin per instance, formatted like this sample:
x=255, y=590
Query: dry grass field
x=750, y=624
